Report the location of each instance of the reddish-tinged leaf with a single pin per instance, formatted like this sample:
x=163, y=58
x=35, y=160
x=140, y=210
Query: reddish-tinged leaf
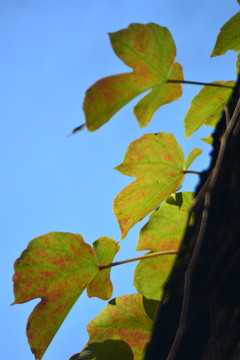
x=56, y=267
x=163, y=231
x=101, y=285
x=124, y=326
x=150, y=51
x=157, y=163
x=207, y=107
x=229, y=37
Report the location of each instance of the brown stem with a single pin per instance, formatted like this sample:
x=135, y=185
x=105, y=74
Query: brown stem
x=191, y=172
x=143, y=257
x=199, y=83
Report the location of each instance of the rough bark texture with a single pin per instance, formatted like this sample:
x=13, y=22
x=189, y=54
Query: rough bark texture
x=212, y=324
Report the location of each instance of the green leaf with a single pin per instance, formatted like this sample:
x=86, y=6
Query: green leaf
x=208, y=139
x=238, y=65
x=192, y=156
x=126, y=323
x=163, y=231
x=157, y=163
x=151, y=274
x=57, y=267
x=101, y=286
x=229, y=37
x=150, y=51
x=207, y=107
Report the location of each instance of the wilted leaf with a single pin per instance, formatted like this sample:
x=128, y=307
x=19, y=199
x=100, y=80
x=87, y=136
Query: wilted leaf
x=157, y=163
x=126, y=322
x=150, y=51
x=208, y=139
x=191, y=157
x=207, y=107
x=163, y=231
x=57, y=267
x=229, y=37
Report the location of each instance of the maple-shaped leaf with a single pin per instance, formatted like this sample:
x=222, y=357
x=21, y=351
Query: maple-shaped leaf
x=57, y=267
x=207, y=107
x=157, y=163
x=150, y=51
x=162, y=232
x=121, y=330
x=229, y=37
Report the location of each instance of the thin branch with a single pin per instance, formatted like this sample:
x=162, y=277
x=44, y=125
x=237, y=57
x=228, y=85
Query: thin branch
x=199, y=83
x=227, y=115
x=143, y=257
x=191, y=172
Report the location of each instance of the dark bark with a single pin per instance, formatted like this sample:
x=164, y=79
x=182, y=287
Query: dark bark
x=211, y=329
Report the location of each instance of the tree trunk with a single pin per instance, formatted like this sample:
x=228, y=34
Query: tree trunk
x=199, y=317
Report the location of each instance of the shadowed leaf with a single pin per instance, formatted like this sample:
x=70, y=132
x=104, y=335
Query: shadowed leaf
x=127, y=321
x=229, y=37
x=157, y=163
x=207, y=107
x=106, y=350
x=56, y=267
x=163, y=231
x=150, y=51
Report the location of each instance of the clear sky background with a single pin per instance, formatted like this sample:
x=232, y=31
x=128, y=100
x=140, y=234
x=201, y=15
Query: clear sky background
x=51, y=52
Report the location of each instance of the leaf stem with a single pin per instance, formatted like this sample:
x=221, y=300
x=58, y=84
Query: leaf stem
x=191, y=172
x=143, y=257
x=199, y=83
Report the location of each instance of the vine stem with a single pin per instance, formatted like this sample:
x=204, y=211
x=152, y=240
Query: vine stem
x=191, y=172
x=210, y=183
x=199, y=83
x=143, y=257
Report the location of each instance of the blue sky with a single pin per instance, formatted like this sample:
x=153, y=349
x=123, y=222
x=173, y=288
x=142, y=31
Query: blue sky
x=51, y=52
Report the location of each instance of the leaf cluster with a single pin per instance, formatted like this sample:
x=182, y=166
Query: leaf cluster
x=58, y=267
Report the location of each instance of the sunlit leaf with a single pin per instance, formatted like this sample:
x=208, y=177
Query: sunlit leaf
x=229, y=37
x=192, y=156
x=150, y=51
x=208, y=139
x=151, y=274
x=121, y=330
x=207, y=107
x=157, y=163
x=57, y=267
x=238, y=65
x=163, y=231
x=101, y=285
